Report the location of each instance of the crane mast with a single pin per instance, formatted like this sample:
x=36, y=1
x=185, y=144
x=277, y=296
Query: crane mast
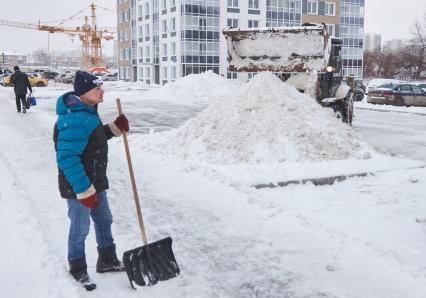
x=90, y=35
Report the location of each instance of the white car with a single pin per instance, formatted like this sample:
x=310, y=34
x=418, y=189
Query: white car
x=374, y=83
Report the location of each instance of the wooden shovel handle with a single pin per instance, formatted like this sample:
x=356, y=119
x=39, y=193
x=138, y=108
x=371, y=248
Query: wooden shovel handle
x=132, y=178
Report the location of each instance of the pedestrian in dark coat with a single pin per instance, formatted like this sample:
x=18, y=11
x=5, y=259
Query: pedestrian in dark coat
x=20, y=83
x=81, y=143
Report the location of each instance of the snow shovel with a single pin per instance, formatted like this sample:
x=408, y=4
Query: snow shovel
x=153, y=262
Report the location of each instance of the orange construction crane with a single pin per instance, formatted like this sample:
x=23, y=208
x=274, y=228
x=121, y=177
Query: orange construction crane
x=90, y=36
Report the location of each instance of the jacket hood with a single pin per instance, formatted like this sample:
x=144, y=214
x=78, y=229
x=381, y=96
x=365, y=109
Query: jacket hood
x=69, y=102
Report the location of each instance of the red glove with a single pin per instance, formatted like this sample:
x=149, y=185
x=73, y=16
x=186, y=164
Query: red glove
x=90, y=202
x=122, y=123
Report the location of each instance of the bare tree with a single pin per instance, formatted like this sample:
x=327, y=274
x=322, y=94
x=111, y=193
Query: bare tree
x=369, y=64
x=417, y=48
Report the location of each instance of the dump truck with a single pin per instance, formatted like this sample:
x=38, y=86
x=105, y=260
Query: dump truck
x=304, y=56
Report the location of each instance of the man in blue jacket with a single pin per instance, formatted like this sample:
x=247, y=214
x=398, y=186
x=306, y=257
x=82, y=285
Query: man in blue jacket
x=81, y=143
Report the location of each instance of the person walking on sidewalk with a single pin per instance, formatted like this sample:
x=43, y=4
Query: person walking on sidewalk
x=20, y=83
x=81, y=144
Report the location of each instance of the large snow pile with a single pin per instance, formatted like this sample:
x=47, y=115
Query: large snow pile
x=195, y=88
x=265, y=120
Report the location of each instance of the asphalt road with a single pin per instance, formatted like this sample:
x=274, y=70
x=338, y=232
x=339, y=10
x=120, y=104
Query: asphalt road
x=403, y=134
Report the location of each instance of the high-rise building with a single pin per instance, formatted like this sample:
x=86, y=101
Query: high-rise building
x=395, y=44
x=372, y=42
x=161, y=40
x=352, y=33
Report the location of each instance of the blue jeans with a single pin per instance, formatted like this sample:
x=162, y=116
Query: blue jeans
x=80, y=224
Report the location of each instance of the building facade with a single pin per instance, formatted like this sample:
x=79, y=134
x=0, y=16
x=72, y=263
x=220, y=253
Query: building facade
x=372, y=42
x=124, y=40
x=318, y=12
x=352, y=33
x=9, y=60
x=161, y=40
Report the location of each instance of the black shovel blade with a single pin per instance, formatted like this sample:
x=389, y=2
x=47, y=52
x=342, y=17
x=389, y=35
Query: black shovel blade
x=150, y=263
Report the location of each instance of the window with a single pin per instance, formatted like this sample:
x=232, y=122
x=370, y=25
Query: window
x=164, y=4
x=173, y=50
x=164, y=72
x=164, y=25
x=148, y=73
x=254, y=4
x=147, y=52
x=203, y=48
x=164, y=50
x=146, y=30
x=140, y=73
x=231, y=75
x=233, y=23
x=140, y=11
x=416, y=90
x=312, y=7
x=140, y=32
x=173, y=24
x=202, y=22
x=405, y=88
x=233, y=3
x=141, y=52
x=253, y=23
x=172, y=3
x=173, y=73
x=146, y=9
x=331, y=28
x=330, y=9
x=251, y=75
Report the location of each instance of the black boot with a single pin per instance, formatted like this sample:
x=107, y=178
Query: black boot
x=108, y=261
x=78, y=270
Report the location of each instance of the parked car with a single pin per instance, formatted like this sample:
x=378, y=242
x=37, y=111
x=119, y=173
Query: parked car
x=35, y=80
x=110, y=77
x=422, y=85
x=49, y=75
x=398, y=95
x=374, y=83
x=68, y=78
x=59, y=77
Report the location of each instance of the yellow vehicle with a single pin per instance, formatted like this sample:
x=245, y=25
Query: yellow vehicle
x=35, y=80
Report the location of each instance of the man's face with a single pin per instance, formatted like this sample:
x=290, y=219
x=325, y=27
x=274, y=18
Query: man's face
x=94, y=96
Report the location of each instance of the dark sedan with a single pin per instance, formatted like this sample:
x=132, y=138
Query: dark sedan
x=398, y=95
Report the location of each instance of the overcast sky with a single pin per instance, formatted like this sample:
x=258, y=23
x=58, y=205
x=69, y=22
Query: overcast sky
x=391, y=18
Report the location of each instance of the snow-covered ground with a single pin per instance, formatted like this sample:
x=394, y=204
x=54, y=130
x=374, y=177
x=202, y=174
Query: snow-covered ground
x=363, y=237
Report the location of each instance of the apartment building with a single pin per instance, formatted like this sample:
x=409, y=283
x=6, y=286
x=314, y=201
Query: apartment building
x=318, y=12
x=161, y=40
x=124, y=40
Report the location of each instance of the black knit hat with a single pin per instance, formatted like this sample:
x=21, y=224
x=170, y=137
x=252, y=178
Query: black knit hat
x=85, y=82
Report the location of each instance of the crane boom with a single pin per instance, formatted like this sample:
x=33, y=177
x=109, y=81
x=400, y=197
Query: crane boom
x=90, y=36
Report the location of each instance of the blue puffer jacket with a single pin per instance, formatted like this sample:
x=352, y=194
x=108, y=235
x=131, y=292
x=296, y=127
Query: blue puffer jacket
x=81, y=143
